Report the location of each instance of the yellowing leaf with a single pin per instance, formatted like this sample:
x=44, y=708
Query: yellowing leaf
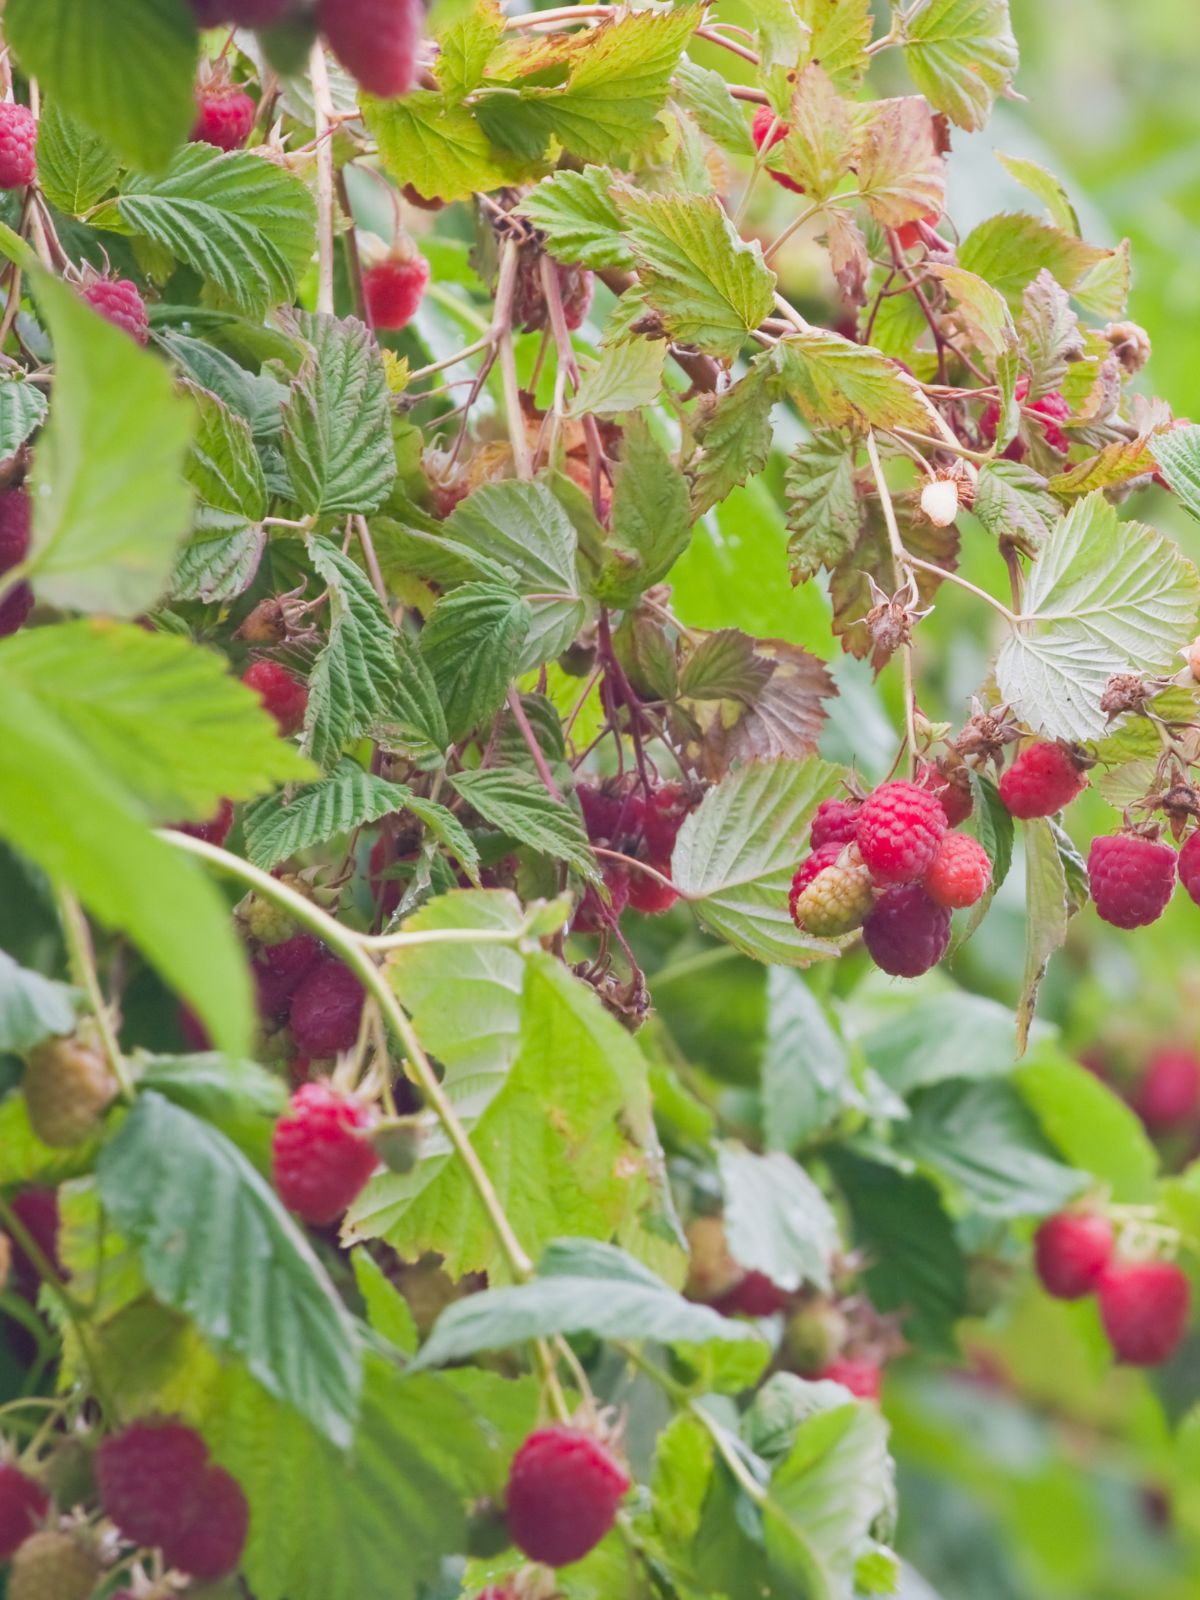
x=837, y=383
x=961, y=54
x=901, y=175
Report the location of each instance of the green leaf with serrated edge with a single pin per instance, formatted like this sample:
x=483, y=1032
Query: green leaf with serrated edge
x=837, y=37
x=961, y=55
x=216, y=1243
x=916, y=1265
x=1010, y=250
x=224, y=469
x=1117, y=463
x=900, y=171
x=387, y=1309
x=220, y=562
x=736, y=854
x=734, y=431
x=154, y=713
x=247, y=226
x=465, y=45
x=1090, y=1125
x=777, y=1221
x=707, y=284
x=651, y=518
x=213, y=1086
x=582, y=1286
x=818, y=149
x=31, y=1007
x=27, y=1160
x=706, y=96
x=824, y=512
x=1104, y=597
x=23, y=408
x=518, y=805
x=337, y=421
x=1137, y=738
x=624, y=377
x=549, y=1141
x=1177, y=451
x=1104, y=289
x=256, y=396
x=806, y=1075
x=993, y=826
x=76, y=168
x=938, y=1037
x=414, y=724
x=140, y=100
x=579, y=219
x=837, y=383
x=982, y=310
x=1048, y=334
x=724, y=666
x=781, y=34
x=1045, y=917
x=1013, y=502
x=439, y=147
x=471, y=643
x=110, y=504
x=1046, y=187
x=285, y=824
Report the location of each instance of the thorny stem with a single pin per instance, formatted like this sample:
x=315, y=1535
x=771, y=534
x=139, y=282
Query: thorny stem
x=903, y=567
x=83, y=966
x=532, y=745
x=323, y=105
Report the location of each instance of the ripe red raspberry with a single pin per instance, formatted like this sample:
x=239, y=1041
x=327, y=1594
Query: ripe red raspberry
x=575, y=288
x=23, y=1504
x=224, y=117
x=394, y=288
x=321, y=1156
x=279, y=971
x=1131, y=878
x=15, y=609
x=838, y=899
x=1189, y=865
x=647, y=894
x=209, y=1541
x=18, y=146
x=1042, y=779
x=1144, y=1307
x=960, y=872
x=592, y=914
x=667, y=808
x=759, y=129
x=754, y=1295
x=147, y=1475
x=326, y=1009
x=120, y=302
x=899, y=829
x=834, y=822
x=1168, y=1093
x=215, y=830
x=863, y=1378
x=285, y=697
x=241, y=13
x=68, y=1086
x=1070, y=1251
x=37, y=1212
x=613, y=810
x=54, y=1566
x=564, y=1488
x=375, y=40
x=907, y=933
x=953, y=789
x=1051, y=409
x=15, y=529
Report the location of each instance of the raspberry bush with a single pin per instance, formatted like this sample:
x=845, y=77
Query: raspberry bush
x=579, y=653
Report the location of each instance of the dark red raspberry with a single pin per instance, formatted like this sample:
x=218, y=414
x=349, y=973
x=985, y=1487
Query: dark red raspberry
x=953, y=789
x=592, y=914
x=37, y=1212
x=15, y=609
x=564, y=1488
x=375, y=40
x=759, y=129
x=241, y=13
x=326, y=1010
x=321, y=1156
x=1132, y=878
x=209, y=1541
x=285, y=697
x=647, y=894
x=1168, y=1093
x=808, y=870
x=215, y=830
x=1051, y=409
x=120, y=302
x=394, y=288
x=195, y=1035
x=907, y=933
x=575, y=287
x=960, y=872
x=834, y=822
x=1189, y=865
x=1070, y=1251
x=612, y=811
x=667, y=807
x=754, y=1295
x=1144, y=1306
x=279, y=971
x=16, y=524
x=23, y=1504
x=224, y=117
x=147, y=1476
x=899, y=829
x=863, y=1378
x=18, y=146
x=1042, y=779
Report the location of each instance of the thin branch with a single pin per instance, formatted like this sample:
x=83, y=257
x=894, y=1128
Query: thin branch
x=83, y=966
x=952, y=577
x=323, y=104
x=532, y=745
x=900, y=558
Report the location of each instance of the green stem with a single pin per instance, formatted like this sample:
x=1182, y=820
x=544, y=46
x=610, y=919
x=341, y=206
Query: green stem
x=83, y=967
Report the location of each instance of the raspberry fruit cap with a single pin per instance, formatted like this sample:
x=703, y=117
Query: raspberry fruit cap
x=1042, y=779
x=326, y=1009
x=23, y=1504
x=282, y=695
x=838, y=899
x=375, y=40
x=1144, y=1306
x=834, y=822
x=1132, y=878
x=764, y=118
x=119, y=301
x=907, y=933
x=18, y=145
x=321, y=1157
x=147, y=1476
x=1070, y=1251
x=209, y=1542
x=54, y=1566
x=862, y=1377
x=959, y=874
x=1168, y=1093
x=224, y=118
x=68, y=1087
x=899, y=829
x=564, y=1488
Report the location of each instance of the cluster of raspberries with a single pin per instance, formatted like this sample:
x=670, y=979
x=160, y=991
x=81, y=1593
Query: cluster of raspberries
x=889, y=865
x=619, y=815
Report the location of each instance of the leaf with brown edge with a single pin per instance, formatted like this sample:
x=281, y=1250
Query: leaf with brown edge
x=1116, y=463
x=785, y=718
x=871, y=557
x=848, y=258
x=836, y=383
x=724, y=666
x=901, y=173
x=1048, y=334
x=819, y=147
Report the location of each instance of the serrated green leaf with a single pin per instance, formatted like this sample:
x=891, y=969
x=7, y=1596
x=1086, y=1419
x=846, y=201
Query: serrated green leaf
x=1046, y=187
x=224, y=469
x=517, y=804
x=1117, y=463
x=806, y=1074
x=777, y=1221
x=1048, y=334
x=818, y=149
x=32, y=1007
x=735, y=435
x=837, y=383
x=577, y=214
x=706, y=96
x=216, y=1243
x=26, y=1159
x=1010, y=250
x=1090, y=1125
x=724, y=666
x=465, y=45
x=471, y=643
x=1046, y=916
x=940, y=1037
x=23, y=408
x=824, y=512
x=838, y=34
x=220, y=562
x=1013, y=502
x=213, y=1086
x=1177, y=451
x=1103, y=290
x=337, y=438
x=651, y=519
x=782, y=36
x=624, y=377
x=140, y=100
x=900, y=171
x=982, y=310
x=961, y=54
x=76, y=168
x=387, y=1309
x=439, y=147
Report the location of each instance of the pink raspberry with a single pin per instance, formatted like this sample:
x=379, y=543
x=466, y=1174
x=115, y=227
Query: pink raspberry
x=326, y=1009
x=564, y=1488
x=647, y=894
x=1189, y=865
x=215, y=830
x=863, y=1378
x=120, y=302
x=667, y=807
x=591, y=915
x=285, y=697
x=960, y=872
x=1168, y=1094
x=838, y=899
x=1144, y=1306
x=375, y=40
x=279, y=971
x=18, y=146
x=907, y=934
x=1051, y=409
x=1132, y=878
x=759, y=129
x=1070, y=1251
x=23, y=1504
x=394, y=288
x=753, y=1295
x=1042, y=779
x=15, y=530
x=834, y=822
x=208, y=1542
x=909, y=234
x=321, y=1157
x=808, y=869
x=224, y=117
x=899, y=829
x=147, y=1475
